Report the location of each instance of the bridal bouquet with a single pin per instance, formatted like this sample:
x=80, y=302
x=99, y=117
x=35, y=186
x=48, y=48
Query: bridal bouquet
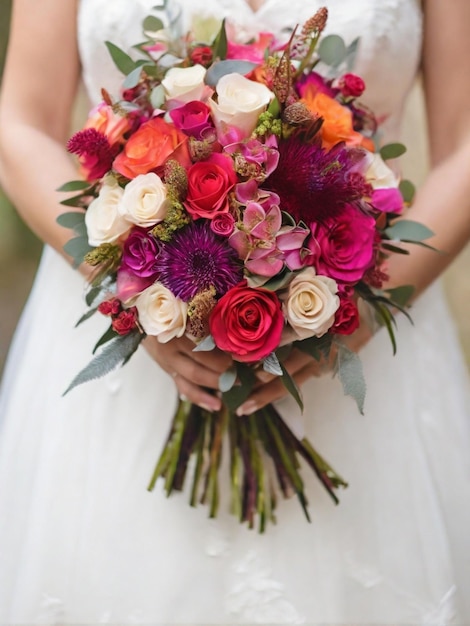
x=234, y=192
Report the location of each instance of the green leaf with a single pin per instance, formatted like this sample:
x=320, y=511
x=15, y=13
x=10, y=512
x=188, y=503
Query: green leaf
x=75, y=201
x=92, y=294
x=408, y=230
x=291, y=386
x=407, y=190
x=152, y=24
x=332, y=50
x=157, y=97
x=239, y=393
x=206, y=345
x=220, y=68
x=132, y=79
x=227, y=379
x=71, y=219
x=121, y=59
x=271, y=365
x=77, y=248
x=385, y=318
x=221, y=43
x=113, y=354
x=107, y=336
x=314, y=346
x=401, y=295
x=392, y=151
x=394, y=249
x=86, y=316
x=351, y=54
x=74, y=185
x=351, y=375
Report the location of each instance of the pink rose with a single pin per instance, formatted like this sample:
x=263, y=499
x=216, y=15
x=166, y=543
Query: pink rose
x=193, y=118
x=247, y=323
x=344, y=245
x=223, y=224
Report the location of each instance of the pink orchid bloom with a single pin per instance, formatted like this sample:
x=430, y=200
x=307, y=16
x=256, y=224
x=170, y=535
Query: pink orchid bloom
x=250, y=192
x=255, y=151
x=253, y=52
x=290, y=241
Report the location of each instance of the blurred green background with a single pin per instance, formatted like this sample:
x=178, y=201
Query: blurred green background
x=20, y=249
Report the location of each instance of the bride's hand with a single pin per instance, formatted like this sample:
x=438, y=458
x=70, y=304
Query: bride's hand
x=193, y=372
x=301, y=367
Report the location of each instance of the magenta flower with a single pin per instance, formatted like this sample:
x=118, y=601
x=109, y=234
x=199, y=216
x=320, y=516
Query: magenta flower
x=197, y=259
x=94, y=152
x=253, y=52
x=314, y=83
x=255, y=151
x=193, y=119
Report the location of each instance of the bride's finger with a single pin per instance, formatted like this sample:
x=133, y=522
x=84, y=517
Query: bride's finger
x=189, y=391
x=275, y=390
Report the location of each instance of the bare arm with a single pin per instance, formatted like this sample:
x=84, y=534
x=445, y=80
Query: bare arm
x=38, y=91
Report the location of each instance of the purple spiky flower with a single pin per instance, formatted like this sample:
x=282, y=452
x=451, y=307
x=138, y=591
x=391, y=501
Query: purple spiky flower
x=313, y=183
x=196, y=259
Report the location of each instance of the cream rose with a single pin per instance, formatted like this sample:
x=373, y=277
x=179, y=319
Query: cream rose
x=379, y=175
x=240, y=102
x=184, y=83
x=310, y=303
x=144, y=201
x=161, y=313
x=102, y=218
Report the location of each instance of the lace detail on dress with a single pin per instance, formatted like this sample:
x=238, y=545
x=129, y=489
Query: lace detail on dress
x=257, y=598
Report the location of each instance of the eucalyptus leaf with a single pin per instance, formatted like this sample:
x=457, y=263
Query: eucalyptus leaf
x=227, y=379
x=239, y=393
x=395, y=249
x=408, y=230
x=75, y=201
x=74, y=185
x=392, y=151
x=121, y=59
x=271, y=365
x=407, y=190
x=152, y=24
x=351, y=375
x=71, y=219
x=291, y=386
x=133, y=78
x=221, y=68
x=77, y=248
x=157, y=97
x=351, y=54
x=332, y=50
x=113, y=354
x=92, y=295
x=206, y=345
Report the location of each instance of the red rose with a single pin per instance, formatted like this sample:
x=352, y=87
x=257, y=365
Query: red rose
x=209, y=183
x=247, y=323
x=352, y=86
x=125, y=321
x=346, y=318
x=110, y=307
x=201, y=55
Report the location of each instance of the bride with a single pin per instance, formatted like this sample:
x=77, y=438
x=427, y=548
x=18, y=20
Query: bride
x=81, y=540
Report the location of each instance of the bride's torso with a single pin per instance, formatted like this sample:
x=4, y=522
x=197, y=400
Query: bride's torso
x=389, y=31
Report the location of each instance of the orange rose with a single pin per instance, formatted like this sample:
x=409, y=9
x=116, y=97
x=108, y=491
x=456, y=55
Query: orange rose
x=150, y=147
x=338, y=121
x=105, y=121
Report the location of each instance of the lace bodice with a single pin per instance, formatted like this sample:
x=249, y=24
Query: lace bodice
x=388, y=56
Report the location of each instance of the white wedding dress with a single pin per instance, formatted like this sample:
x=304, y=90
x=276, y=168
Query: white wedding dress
x=82, y=541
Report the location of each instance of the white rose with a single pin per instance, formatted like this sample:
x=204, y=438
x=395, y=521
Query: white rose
x=311, y=303
x=240, y=102
x=184, y=83
x=379, y=175
x=102, y=218
x=144, y=201
x=161, y=313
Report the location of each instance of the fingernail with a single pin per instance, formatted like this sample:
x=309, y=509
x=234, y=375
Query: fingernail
x=263, y=376
x=207, y=407
x=248, y=407
x=183, y=397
